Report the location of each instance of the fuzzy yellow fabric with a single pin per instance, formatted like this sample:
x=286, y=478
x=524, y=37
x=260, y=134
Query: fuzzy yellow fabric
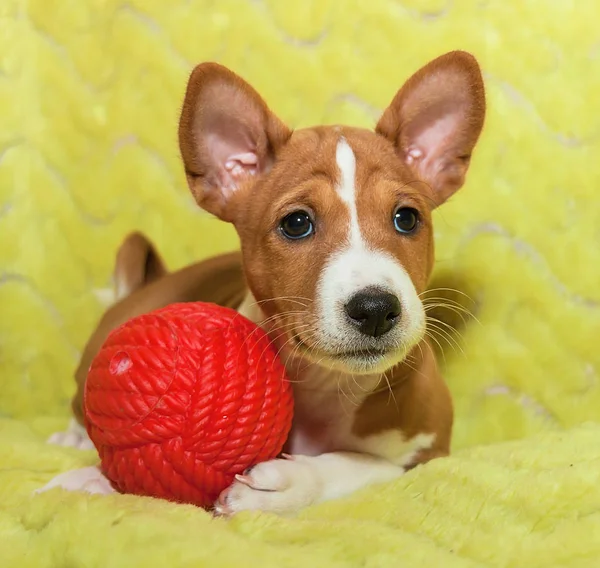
x=89, y=97
x=529, y=503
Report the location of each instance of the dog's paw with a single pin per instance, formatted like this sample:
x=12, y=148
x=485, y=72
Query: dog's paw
x=74, y=436
x=88, y=479
x=282, y=486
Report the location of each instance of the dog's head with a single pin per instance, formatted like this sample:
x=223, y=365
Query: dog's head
x=335, y=222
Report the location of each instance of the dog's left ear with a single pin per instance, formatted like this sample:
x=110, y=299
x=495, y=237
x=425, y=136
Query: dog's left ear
x=435, y=120
x=227, y=137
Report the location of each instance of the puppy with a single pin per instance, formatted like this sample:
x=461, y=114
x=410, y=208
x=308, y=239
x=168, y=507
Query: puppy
x=337, y=247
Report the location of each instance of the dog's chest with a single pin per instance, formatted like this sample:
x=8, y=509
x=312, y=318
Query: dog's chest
x=312, y=435
x=324, y=415
x=324, y=419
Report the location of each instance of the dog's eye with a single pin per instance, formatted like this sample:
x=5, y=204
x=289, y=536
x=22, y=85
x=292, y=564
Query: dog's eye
x=406, y=219
x=296, y=225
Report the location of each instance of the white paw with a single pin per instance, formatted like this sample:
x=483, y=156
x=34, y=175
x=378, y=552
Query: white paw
x=88, y=479
x=74, y=436
x=281, y=486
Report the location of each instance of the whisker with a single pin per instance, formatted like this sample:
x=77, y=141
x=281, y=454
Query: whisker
x=308, y=335
x=451, y=305
x=292, y=337
x=280, y=315
x=448, y=337
x=429, y=290
x=442, y=302
x=392, y=395
x=341, y=391
x=296, y=299
x=259, y=326
x=415, y=370
x=270, y=331
x=269, y=344
x=461, y=312
x=285, y=325
x=358, y=384
x=451, y=329
x=314, y=348
x=438, y=344
x=444, y=299
x=421, y=349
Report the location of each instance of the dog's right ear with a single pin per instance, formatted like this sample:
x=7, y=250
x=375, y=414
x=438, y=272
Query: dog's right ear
x=227, y=135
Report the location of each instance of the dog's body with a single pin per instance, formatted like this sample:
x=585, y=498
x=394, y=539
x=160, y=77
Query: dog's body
x=337, y=248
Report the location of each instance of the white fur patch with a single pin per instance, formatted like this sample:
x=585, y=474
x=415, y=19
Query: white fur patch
x=75, y=436
x=87, y=479
x=393, y=446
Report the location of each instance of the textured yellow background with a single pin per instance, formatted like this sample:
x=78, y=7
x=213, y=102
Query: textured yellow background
x=89, y=97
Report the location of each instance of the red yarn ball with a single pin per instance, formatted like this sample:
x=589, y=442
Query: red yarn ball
x=179, y=401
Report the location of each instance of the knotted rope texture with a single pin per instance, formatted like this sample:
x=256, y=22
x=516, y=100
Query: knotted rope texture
x=181, y=400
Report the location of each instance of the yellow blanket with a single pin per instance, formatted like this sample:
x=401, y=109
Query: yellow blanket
x=89, y=96
x=528, y=503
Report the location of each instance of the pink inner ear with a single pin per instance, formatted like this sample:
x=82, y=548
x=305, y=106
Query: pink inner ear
x=233, y=164
x=430, y=148
x=241, y=165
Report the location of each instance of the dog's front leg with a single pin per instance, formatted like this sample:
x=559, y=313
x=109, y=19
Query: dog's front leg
x=286, y=485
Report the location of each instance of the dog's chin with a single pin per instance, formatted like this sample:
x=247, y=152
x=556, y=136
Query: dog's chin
x=356, y=361
x=363, y=364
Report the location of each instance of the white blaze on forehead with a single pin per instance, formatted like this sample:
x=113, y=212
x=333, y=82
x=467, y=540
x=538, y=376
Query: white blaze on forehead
x=346, y=162
x=346, y=188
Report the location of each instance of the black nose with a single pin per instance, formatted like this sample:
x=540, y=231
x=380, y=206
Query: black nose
x=373, y=311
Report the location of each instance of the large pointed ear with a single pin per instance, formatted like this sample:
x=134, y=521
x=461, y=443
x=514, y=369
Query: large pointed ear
x=435, y=120
x=227, y=135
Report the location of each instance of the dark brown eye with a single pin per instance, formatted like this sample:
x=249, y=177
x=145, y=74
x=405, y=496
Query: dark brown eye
x=296, y=225
x=406, y=220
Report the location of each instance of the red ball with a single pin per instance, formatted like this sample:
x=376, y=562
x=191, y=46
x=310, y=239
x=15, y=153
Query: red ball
x=181, y=400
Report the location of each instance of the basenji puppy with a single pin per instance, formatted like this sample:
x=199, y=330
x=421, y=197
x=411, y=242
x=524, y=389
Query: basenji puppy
x=335, y=226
